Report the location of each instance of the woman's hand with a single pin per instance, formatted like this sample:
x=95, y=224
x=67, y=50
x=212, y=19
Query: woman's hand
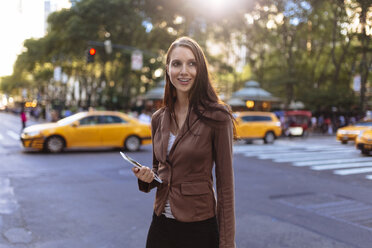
x=144, y=174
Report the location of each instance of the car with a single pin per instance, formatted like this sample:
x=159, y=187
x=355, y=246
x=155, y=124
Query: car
x=363, y=141
x=349, y=133
x=297, y=122
x=88, y=129
x=257, y=125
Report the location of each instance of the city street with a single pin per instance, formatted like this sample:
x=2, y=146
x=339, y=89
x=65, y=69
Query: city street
x=297, y=193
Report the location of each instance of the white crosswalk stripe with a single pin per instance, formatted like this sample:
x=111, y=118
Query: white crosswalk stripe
x=340, y=166
x=301, y=154
x=13, y=134
x=322, y=148
x=352, y=171
x=330, y=161
x=343, y=160
x=311, y=157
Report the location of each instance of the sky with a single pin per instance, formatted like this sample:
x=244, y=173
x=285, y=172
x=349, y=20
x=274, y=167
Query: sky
x=20, y=20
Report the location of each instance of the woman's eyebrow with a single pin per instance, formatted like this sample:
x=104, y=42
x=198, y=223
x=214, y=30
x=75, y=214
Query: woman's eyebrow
x=179, y=60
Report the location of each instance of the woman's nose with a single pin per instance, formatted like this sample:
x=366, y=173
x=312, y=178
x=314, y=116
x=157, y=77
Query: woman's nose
x=184, y=69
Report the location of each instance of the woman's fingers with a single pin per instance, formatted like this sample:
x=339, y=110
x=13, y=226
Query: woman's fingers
x=144, y=174
x=147, y=174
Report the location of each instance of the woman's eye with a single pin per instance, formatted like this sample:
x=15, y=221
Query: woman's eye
x=176, y=63
x=192, y=63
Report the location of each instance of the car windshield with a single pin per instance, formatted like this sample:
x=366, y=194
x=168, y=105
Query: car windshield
x=363, y=124
x=299, y=119
x=70, y=119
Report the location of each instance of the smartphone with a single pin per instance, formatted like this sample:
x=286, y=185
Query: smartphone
x=137, y=165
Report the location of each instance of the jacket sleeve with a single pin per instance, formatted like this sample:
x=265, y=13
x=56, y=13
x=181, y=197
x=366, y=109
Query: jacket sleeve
x=143, y=186
x=223, y=156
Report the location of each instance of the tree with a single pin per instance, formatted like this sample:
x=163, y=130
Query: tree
x=300, y=50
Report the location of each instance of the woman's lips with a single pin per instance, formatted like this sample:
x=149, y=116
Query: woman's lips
x=184, y=81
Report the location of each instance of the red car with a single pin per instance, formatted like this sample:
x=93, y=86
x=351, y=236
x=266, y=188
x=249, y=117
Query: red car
x=297, y=122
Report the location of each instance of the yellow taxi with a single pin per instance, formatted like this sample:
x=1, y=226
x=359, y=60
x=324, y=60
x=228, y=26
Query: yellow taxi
x=88, y=129
x=364, y=141
x=257, y=125
x=349, y=133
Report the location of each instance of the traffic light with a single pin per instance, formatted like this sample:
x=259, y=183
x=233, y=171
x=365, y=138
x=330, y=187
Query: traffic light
x=90, y=55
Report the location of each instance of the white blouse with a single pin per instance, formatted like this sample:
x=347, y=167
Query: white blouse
x=167, y=210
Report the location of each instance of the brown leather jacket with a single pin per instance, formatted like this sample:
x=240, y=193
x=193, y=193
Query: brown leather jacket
x=187, y=171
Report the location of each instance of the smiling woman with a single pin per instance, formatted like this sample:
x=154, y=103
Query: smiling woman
x=191, y=135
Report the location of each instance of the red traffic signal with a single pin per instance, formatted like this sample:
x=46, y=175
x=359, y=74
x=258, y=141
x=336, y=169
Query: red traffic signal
x=92, y=51
x=90, y=54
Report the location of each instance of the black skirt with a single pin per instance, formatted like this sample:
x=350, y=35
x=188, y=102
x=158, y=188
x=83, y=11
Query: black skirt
x=170, y=233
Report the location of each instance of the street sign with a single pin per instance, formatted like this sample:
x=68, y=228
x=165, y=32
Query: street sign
x=108, y=46
x=356, y=83
x=57, y=75
x=137, y=60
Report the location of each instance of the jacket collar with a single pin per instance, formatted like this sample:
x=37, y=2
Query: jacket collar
x=165, y=130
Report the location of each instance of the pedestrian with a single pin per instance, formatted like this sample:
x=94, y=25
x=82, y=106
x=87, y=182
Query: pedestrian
x=23, y=118
x=144, y=117
x=191, y=132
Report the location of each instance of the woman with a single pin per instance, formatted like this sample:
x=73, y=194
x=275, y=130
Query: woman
x=190, y=133
x=23, y=118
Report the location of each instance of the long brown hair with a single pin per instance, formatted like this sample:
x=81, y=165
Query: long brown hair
x=202, y=95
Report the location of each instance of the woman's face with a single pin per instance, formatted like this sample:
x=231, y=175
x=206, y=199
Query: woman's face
x=182, y=69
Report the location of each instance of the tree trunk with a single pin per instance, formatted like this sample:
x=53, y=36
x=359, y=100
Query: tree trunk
x=364, y=61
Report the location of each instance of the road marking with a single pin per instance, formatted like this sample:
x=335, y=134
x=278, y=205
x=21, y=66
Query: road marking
x=322, y=148
x=13, y=134
x=331, y=161
x=311, y=158
x=258, y=154
x=8, y=203
x=270, y=151
x=353, y=171
x=369, y=177
x=343, y=160
x=241, y=149
x=341, y=166
x=301, y=154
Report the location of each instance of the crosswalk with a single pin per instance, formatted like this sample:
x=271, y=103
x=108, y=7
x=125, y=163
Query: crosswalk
x=13, y=134
x=341, y=160
x=9, y=138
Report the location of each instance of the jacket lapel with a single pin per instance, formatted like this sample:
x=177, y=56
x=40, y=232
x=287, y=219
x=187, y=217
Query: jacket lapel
x=191, y=119
x=165, y=129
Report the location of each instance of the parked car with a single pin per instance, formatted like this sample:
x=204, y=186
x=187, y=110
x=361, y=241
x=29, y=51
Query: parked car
x=88, y=129
x=349, y=133
x=257, y=125
x=297, y=122
x=363, y=141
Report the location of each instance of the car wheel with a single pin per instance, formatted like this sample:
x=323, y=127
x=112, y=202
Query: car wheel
x=132, y=143
x=344, y=142
x=269, y=138
x=55, y=144
x=364, y=151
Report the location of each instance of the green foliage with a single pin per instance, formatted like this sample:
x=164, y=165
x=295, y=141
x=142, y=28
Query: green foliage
x=298, y=50
x=11, y=84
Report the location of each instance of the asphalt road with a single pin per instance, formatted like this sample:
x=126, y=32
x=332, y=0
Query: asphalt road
x=297, y=193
